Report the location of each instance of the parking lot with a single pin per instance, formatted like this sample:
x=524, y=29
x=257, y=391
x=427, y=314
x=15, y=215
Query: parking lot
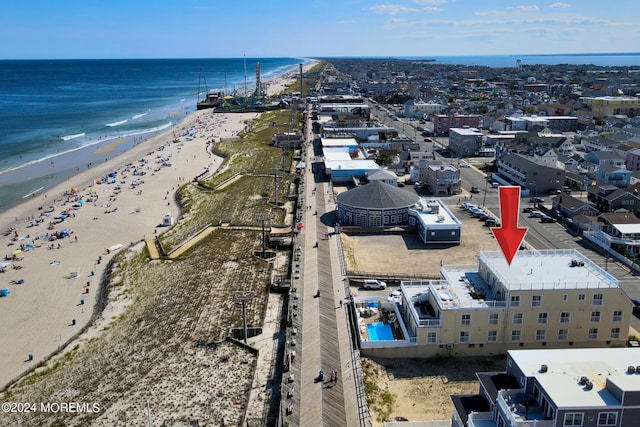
x=409, y=255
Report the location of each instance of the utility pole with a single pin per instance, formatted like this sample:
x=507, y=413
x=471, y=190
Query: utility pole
x=263, y=218
x=243, y=297
x=276, y=173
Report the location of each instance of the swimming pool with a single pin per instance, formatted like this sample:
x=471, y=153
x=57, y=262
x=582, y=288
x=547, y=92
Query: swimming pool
x=380, y=332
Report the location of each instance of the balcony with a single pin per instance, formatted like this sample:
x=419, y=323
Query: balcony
x=481, y=419
x=519, y=409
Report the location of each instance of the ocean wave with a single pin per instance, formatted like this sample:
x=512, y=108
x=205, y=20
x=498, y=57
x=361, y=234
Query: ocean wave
x=137, y=116
x=92, y=143
x=70, y=137
x=121, y=122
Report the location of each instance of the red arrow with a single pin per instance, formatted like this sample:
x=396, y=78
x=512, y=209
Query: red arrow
x=509, y=235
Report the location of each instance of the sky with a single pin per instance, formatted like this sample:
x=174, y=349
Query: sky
x=65, y=29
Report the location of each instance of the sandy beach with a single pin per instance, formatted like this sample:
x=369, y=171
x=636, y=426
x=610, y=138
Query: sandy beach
x=53, y=283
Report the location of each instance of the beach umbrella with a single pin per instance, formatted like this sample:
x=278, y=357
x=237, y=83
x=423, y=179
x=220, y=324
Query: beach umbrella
x=300, y=226
x=74, y=189
x=16, y=252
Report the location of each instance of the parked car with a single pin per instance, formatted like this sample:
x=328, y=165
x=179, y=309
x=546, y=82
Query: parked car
x=536, y=200
x=495, y=184
x=547, y=218
x=374, y=284
x=490, y=222
x=475, y=189
x=527, y=209
x=396, y=296
x=536, y=214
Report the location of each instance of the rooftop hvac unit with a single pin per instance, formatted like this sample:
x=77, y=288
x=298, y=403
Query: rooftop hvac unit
x=588, y=385
x=631, y=369
x=583, y=380
x=543, y=368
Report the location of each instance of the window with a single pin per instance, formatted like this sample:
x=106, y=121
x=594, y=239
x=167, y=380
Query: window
x=464, y=336
x=593, y=334
x=564, y=297
x=563, y=334
x=492, y=336
x=573, y=418
x=431, y=337
x=615, y=333
x=597, y=299
x=617, y=315
x=565, y=317
x=517, y=318
x=607, y=418
x=543, y=317
x=465, y=320
x=515, y=335
x=515, y=301
x=494, y=318
x=536, y=300
x=595, y=316
x=581, y=297
x=541, y=334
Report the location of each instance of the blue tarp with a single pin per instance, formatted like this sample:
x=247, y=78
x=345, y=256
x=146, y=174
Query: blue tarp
x=4, y=292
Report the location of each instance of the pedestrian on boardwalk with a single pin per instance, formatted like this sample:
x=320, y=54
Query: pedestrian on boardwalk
x=335, y=376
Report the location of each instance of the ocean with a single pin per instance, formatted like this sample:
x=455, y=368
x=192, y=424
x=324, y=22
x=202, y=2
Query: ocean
x=496, y=61
x=53, y=113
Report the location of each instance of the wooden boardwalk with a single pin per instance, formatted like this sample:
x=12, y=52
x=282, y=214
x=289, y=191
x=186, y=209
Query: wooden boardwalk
x=322, y=341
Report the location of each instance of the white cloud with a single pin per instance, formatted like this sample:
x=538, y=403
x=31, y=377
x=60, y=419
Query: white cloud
x=346, y=22
x=432, y=9
x=510, y=9
x=527, y=9
x=559, y=5
x=430, y=2
x=392, y=9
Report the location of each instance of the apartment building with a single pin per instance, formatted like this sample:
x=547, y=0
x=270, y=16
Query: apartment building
x=465, y=142
x=605, y=106
x=530, y=174
x=556, y=388
x=442, y=122
x=494, y=307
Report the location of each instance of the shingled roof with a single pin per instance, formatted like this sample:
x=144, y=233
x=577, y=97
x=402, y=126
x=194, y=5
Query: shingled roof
x=378, y=195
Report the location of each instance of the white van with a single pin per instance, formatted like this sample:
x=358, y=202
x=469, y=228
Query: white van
x=374, y=284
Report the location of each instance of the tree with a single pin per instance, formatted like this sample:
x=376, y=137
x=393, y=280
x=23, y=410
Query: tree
x=384, y=160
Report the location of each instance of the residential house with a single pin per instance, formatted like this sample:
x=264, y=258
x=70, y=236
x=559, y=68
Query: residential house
x=383, y=175
x=602, y=158
x=443, y=179
x=569, y=207
x=620, y=177
x=632, y=159
x=620, y=231
x=609, y=198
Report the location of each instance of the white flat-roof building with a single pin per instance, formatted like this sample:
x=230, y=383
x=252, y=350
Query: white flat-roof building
x=553, y=298
x=435, y=222
x=556, y=388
